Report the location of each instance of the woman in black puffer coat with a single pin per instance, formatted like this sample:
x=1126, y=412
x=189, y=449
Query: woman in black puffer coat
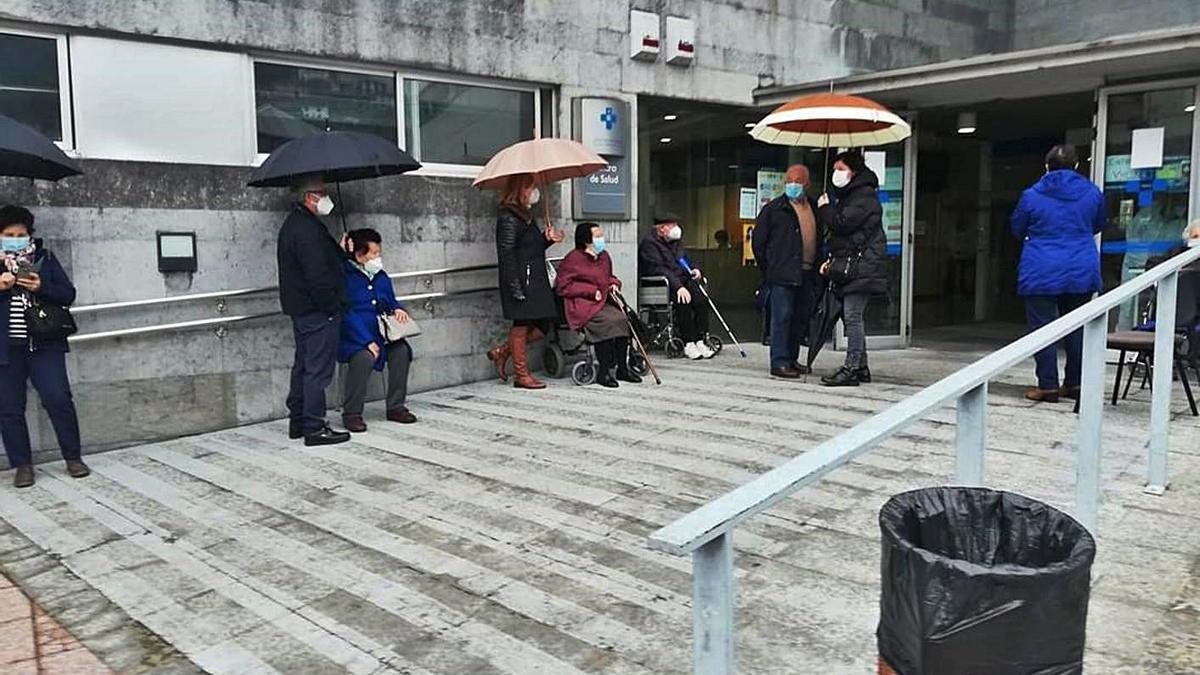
x=525, y=292
x=857, y=257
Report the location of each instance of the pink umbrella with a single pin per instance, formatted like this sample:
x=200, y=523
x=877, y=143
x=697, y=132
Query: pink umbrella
x=547, y=160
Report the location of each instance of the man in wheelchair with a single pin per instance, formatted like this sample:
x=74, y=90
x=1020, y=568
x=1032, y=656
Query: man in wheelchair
x=659, y=255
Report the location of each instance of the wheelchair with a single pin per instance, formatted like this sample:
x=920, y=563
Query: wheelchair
x=657, y=313
x=566, y=348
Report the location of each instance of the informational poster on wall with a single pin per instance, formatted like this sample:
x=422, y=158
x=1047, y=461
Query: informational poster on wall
x=770, y=186
x=748, y=204
x=893, y=223
x=747, y=249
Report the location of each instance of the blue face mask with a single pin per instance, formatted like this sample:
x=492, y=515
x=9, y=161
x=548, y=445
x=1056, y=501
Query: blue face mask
x=14, y=244
x=793, y=191
x=598, y=245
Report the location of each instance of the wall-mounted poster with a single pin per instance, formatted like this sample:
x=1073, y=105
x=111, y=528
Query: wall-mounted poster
x=748, y=204
x=770, y=186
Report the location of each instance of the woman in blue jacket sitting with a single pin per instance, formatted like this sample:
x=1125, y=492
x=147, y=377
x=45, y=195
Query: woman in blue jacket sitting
x=363, y=347
x=1058, y=219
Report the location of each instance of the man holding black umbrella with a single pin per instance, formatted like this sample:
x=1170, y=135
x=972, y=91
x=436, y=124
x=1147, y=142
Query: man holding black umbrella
x=312, y=292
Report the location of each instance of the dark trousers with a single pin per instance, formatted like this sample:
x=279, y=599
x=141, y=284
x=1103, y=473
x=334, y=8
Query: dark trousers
x=691, y=318
x=48, y=373
x=790, y=310
x=358, y=374
x=612, y=355
x=317, y=337
x=1043, y=309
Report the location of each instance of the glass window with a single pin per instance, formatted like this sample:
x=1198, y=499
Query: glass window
x=1148, y=205
x=464, y=124
x=29, y=88
x=292, y=101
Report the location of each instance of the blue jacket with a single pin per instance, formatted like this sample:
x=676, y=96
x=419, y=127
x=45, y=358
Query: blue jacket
x=1058, y=219
x=368, y=299
x=56, y=288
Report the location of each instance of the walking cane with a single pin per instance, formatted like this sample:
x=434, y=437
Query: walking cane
x=704, y=289
x=637, y=342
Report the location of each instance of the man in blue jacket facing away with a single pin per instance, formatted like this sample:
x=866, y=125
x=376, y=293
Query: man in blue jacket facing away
x=1058, y=219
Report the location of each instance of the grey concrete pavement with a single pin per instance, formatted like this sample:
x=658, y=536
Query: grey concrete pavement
x=505, y=533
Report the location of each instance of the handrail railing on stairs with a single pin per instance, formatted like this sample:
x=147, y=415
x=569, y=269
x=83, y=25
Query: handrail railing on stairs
x=707, y=532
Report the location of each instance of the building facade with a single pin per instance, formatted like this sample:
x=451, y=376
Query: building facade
x=170, y=103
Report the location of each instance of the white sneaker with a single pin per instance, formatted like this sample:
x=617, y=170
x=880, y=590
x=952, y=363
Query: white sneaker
x=705, y=351
x=693, y=352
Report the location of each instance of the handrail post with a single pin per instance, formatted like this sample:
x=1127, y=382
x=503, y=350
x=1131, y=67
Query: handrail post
x=712, y=607
x=970, y=436
x=1164, y=368
x=1091, y=412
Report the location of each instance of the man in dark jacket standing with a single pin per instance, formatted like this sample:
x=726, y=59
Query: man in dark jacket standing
x=659, y=255
x=786, y=240
x=312, y=292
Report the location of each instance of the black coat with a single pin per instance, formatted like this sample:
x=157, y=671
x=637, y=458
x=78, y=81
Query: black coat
x=56, y=288
x=854, y=221
x=311, y=278
x=658, y=258
x=778, y=242
x=525, y=293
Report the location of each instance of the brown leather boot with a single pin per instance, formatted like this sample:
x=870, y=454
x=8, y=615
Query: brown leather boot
x=499, y=356
x=354, y=423
x=519, y=339
x=1042, y=395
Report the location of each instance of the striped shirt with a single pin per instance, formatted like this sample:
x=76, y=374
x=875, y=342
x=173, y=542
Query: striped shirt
x=17, y=330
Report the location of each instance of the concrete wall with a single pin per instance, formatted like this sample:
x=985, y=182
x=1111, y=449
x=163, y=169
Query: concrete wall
x=1042, y=23
x=102, y=225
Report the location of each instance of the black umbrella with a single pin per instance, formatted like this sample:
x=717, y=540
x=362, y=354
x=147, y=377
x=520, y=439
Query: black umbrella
x=827, y=311
x=27, y=153
x=337, y=156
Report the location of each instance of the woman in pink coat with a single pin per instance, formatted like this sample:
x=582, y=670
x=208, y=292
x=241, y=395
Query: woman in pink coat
x=586, y=281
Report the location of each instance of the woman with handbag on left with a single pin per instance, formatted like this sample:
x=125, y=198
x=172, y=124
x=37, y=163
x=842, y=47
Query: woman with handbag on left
x=31, y=275
x=363, y=346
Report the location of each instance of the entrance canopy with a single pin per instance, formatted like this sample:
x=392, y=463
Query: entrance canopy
x=1082, y=66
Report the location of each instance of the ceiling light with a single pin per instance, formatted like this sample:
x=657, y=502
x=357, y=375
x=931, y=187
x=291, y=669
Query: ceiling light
x=1190, y=108
x=966, y=123
x=750, y=125
x=733, y=166
x=664, y=139
x=670, y=118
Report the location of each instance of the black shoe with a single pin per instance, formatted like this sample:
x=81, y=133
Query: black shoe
x=766, y=340
x=23, y=477
x=326, y=436
x=863, y=374
x=801, y=368
x=844, y=377
x=295, y=431
x=786, y=373
x=628, y=376
x=607, y=381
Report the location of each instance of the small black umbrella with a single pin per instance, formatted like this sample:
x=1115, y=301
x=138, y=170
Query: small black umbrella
x=337, y=156
x=827, y=311
x=27, y=153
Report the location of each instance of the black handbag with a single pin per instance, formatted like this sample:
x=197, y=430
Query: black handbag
x=47, y=322
x=844, y=269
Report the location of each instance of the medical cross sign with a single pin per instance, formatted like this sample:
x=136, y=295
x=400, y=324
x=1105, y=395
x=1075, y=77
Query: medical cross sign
x=609, y=117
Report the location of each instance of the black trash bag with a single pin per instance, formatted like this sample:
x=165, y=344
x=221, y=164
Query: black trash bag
x=982, y=582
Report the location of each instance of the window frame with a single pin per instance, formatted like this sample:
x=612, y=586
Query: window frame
x=66, y=118
x=451, y=170
x=313, y=64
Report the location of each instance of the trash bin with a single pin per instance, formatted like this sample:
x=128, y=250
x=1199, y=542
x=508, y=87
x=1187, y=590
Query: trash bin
x=982, y=582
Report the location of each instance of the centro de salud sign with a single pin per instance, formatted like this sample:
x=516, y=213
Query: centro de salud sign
x=602, y=124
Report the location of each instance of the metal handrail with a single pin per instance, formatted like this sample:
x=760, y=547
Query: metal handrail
x=222, y=321
x=707, y=532
x=217, y=295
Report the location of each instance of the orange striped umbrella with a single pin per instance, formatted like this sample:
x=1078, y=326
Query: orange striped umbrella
x=831, y=121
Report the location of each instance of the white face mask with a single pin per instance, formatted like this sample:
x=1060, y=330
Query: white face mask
x=841, y=178
x=373, y=266
x=325, y=205
x=675, y=233
x=535, y=196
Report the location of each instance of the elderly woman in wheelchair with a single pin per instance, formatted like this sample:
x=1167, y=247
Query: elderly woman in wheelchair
x=586, y=283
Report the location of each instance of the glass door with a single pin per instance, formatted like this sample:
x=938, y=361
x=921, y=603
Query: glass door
x=887, y=318
x=1146, y=148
